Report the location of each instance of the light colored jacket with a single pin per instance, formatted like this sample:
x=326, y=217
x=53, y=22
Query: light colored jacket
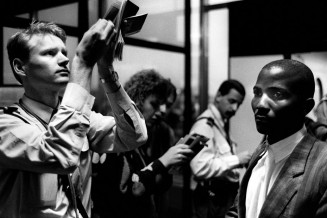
x=32, y=154
x=215, y=160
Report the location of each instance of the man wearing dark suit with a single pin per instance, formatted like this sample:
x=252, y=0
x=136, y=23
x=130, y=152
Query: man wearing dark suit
x=287, y=175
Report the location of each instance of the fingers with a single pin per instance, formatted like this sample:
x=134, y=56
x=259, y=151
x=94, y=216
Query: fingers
x=182, y=146
x=105, y=29
x=184, y=153
x=180, y=158
x=99, y=26
x=110, y=32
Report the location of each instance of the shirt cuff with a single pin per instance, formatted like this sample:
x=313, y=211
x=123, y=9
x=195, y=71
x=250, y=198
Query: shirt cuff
x=232, y=161
x=158, y=167
x=77, y=97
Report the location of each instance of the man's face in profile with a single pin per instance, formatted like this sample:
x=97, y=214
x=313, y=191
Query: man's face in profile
x=151, y=105
x=46, y=66
x=228, y=104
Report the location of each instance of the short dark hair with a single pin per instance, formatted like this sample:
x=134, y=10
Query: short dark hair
x=304, y=86
x=17, y=45
x=227, y=85
x=171, y=90
x=145, y=83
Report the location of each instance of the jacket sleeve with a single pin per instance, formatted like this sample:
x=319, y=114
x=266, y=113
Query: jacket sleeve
x=125, y=131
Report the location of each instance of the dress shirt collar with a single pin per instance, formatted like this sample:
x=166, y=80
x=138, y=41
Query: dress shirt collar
x=43, y=111
x=217, y=115
x=284, y=147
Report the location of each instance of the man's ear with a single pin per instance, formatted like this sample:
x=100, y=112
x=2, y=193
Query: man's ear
x=309, y=104
x=218, y=97
x=19, y=66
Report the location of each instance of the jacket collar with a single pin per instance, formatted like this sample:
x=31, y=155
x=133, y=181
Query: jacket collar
x=289, y=179
x=39, y=109
x=217, y=116
x=287, y=182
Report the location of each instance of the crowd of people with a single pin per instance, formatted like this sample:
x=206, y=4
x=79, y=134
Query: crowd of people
x=60, y=158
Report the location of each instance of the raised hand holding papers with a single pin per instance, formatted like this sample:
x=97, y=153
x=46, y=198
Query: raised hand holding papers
x=122, y=14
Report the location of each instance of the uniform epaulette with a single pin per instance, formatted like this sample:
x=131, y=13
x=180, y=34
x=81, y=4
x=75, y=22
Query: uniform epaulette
x=12, y=111
x=8, y=110
x=210, y=121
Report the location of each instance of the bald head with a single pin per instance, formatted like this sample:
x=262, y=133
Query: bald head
x=283, y=96
x=301, y=76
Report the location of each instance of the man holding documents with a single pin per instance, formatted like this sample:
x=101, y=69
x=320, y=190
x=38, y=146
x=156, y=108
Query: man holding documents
x=47, y=138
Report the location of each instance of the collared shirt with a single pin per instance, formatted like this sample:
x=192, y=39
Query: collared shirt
x=32, y=154
x=216, y=159
x=264, y=174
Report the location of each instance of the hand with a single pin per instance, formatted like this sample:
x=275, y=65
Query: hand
x=244, y=158
x=95, y=42
x=108, y=58
x=176, y=155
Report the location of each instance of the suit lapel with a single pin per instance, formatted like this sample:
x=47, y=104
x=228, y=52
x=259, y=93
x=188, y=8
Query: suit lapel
x=288, y=181
x=257, y=155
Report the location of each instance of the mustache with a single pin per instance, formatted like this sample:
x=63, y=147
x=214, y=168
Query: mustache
x=230, y=113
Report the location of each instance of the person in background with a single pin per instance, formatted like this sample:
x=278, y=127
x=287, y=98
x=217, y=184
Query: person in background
x=216, y=166
x=124, y=184
x=286, y=176
x=47, y=139
x=161, y=135
x=161, y=138
x=318, y=127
